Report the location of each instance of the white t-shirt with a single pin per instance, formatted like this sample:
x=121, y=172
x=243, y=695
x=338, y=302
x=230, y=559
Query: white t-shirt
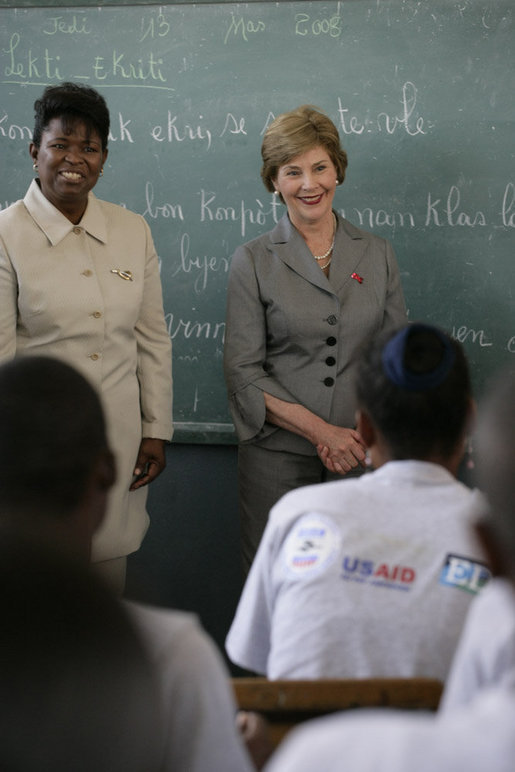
x=486, y=651
x=198, y=703
x=476, y=738
x=365, y=577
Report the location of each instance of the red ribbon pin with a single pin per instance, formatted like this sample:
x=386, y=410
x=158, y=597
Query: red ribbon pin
x=357, y=277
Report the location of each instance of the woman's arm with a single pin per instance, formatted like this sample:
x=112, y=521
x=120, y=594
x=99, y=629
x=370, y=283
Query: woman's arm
x=8, y=306
x=154, y=374
x=245, y=349
x=340, y=449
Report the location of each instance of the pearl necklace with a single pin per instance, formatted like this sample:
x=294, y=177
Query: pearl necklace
x=326, y=254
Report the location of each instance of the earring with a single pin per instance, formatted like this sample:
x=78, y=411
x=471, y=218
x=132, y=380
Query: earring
x=101, y=172
x=337, y=181
x=35, y=166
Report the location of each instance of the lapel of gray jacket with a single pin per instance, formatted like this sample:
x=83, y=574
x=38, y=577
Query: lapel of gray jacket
x=350, y=246
x=290, y=247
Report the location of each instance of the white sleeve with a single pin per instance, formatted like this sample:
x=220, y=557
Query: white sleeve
x=248, y=640
x=486, y=650
x=198, y=702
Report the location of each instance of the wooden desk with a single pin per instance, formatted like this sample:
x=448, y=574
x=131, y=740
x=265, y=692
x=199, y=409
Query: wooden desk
x=286, y=703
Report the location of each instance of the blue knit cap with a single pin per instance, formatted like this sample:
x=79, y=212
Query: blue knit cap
x=394, y=366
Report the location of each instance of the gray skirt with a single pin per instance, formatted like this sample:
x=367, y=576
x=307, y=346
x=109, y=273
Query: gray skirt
x=263, y=477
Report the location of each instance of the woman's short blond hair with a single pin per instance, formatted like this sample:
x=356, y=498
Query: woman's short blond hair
x=295, y=132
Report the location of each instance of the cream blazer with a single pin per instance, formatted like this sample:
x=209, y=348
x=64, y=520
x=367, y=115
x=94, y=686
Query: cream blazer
x=59, y=297
x=296, y=334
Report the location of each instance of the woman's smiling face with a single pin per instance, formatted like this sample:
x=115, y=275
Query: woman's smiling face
x=69, y=160
x=307, y=184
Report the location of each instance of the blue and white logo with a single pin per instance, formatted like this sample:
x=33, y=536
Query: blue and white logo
x=312, y=545
x=464, y=573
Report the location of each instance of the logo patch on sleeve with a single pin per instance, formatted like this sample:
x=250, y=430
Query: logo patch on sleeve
x=311, y=546
x=464, y=573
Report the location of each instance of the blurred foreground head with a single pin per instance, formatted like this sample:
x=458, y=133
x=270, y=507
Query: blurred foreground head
x=55, y=464
x=76, y=690
x=496, y=468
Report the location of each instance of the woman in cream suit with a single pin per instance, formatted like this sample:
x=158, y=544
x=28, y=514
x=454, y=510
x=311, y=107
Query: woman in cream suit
x=302, y=300
x=79, y=280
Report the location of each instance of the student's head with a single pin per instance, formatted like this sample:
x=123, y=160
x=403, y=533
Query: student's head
x=55, y=464
x=495, y=468
x=71, y=103
x=292, y=134
x=413, y=387
x=76, y=689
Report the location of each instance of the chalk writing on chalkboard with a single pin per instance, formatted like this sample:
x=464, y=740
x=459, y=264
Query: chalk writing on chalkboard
x=422, y=97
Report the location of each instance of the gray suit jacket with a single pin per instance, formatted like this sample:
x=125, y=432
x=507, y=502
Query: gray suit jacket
x=296, y=334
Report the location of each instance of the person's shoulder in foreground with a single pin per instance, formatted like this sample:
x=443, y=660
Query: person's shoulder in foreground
x=476, y=738
x=198, y=703
x=486, y=651
x=78, y=691
x=55, y=488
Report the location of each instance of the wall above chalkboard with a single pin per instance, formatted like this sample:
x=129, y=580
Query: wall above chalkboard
x=422, y=94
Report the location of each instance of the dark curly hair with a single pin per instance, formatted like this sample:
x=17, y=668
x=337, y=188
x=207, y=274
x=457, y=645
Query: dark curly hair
x=71, y=102
x=417, y=423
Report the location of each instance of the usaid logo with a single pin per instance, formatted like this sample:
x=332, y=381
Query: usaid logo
x=464, y=573
x=378, y=574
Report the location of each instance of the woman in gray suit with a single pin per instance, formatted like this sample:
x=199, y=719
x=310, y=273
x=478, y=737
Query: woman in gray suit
x=302, y=300
x=79, y=280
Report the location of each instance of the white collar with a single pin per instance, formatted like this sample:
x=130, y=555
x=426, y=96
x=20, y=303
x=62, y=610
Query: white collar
x=55, y=225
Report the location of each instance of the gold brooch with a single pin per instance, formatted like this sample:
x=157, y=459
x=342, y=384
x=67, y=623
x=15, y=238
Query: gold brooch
x=127, y=275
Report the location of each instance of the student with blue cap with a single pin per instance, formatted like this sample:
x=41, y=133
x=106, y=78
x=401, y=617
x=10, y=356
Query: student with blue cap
x=477, y=735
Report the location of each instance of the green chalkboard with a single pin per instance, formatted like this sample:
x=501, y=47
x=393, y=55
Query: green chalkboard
x=423, y=94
